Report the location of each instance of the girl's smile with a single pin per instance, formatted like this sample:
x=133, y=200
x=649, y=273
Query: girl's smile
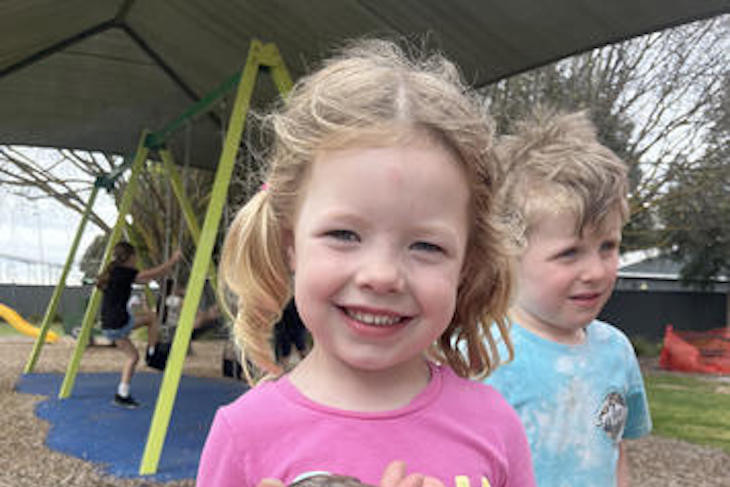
x=374, y=318
x=369, y=324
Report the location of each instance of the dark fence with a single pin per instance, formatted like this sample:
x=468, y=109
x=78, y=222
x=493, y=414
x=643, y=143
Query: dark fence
x=31, y=302
x=645, y=314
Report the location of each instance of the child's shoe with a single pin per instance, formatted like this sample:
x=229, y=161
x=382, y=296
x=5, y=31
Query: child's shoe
x=125, y=402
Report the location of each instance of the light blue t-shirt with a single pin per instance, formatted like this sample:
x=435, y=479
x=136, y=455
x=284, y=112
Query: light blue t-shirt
x=576, y=403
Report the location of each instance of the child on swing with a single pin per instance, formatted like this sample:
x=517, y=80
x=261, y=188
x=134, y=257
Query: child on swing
x=377, y=217
x=117, y=320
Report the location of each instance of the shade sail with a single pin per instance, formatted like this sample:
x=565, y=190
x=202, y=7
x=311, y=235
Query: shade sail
x=92, y=74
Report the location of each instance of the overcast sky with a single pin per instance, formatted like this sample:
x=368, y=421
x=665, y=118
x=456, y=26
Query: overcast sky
x=42, y=231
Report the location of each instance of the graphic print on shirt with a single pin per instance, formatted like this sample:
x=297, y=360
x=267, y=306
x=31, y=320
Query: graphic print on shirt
x=325, y=479
x=321, y=478
x=612, y=415
x=463, y=481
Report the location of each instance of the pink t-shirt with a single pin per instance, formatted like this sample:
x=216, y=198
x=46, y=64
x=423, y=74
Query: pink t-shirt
x=453, y=428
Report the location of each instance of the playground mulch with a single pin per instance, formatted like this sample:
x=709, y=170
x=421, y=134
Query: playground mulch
x=26, y=461
x=24, y=458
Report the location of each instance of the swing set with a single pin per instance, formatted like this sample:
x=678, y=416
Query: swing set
x=260, y=57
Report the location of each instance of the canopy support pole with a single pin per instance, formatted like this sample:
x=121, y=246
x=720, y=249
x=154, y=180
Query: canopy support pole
x=56, y=297
x=258, y=55
x=187, y=208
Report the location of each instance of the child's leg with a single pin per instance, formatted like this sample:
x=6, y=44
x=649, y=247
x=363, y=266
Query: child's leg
x=147, y=318
x=132, y=357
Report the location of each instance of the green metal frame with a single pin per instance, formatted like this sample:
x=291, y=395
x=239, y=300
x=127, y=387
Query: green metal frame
x=56, y=297
x=151, y=141
x=187, y=209
x=266, y=55
x=260, y=56
x=105, y=181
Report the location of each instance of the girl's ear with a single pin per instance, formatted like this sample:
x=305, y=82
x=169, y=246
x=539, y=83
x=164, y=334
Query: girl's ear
x=288, y=240
x=291, y=257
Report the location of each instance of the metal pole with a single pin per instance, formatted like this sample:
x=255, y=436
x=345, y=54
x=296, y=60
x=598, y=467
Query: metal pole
x=56, y=297
x=181, y=341
x=187, y=208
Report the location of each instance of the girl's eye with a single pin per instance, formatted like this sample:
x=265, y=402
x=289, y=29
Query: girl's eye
x=344, y=235
x=567, y=253
x=427, y=247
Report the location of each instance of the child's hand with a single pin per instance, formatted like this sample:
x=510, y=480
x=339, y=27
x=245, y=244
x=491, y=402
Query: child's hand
x=270, y=483
x=177, y=255
x=395, y=476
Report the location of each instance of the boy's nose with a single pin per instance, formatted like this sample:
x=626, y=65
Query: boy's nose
x=381, y=274
x=595, y=268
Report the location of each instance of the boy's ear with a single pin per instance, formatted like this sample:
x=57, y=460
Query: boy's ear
x=462, y=274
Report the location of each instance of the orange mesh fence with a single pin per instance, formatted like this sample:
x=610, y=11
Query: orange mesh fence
x=706, y=352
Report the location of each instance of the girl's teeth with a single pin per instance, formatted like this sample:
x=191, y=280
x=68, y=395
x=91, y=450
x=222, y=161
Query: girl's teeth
x=371, y=319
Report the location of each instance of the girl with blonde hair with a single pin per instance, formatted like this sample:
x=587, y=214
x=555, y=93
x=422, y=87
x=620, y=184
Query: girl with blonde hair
x=376, y=216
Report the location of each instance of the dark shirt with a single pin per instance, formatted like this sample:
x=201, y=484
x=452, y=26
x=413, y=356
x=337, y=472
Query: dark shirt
x=114, y=313
x=288, y=331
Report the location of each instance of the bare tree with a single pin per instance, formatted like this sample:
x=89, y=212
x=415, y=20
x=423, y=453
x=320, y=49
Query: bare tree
x=649, y=97
x=696, y=209
x=67, y=176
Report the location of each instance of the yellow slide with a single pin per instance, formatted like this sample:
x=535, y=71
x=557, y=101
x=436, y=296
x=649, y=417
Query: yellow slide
x=17, y=322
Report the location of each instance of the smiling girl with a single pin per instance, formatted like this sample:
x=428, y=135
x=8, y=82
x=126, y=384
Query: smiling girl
x=377, y=217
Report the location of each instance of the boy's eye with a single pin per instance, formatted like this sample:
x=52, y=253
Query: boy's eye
x=344, y=235
x=609, y=245
x=427, y=247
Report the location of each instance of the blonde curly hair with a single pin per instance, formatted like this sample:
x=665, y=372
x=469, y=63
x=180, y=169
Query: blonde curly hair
x=554, y=162
x=372, y=93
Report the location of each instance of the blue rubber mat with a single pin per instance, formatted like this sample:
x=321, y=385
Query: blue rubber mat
x=88, y=426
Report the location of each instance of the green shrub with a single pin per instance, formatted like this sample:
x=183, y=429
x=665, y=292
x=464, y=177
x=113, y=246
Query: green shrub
x=645, y=347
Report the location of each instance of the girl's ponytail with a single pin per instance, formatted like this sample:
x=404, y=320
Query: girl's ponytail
x=253, y=267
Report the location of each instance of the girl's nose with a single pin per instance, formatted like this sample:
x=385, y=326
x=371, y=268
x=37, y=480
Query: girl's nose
x=380, y=273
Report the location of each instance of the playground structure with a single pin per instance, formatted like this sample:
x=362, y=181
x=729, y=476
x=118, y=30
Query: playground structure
x=260, y=56
x=90, y=75
x=509, y=60
x=14, y=319
x=704, y=352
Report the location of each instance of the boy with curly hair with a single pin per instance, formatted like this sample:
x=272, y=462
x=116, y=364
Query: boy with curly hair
x=574, y=380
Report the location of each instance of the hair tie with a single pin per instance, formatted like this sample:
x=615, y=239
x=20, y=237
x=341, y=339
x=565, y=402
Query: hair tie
x=264, y=187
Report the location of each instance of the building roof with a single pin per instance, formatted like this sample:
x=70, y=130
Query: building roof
x=661, y=272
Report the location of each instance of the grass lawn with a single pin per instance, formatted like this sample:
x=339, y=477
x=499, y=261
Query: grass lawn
x=690, y=409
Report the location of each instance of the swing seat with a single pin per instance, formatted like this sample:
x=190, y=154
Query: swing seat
x=157, y=359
